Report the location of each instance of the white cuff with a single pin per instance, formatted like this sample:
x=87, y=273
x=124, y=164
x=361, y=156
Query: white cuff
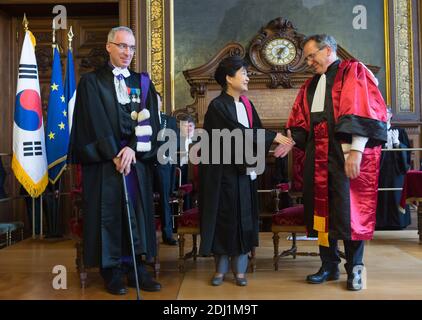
x=141, y=131
x=253, y=175
x=143, y=146
x=359, y=143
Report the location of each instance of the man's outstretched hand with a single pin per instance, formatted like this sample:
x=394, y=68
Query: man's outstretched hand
x=285, y=146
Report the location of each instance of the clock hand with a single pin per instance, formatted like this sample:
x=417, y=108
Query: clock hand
x=280, y=52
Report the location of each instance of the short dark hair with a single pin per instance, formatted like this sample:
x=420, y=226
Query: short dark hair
x=322, y=40
x=186, y=117
x=228, y=67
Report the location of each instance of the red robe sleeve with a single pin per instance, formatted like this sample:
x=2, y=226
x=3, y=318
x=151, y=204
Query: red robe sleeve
x=298, y=121
x=359, y=108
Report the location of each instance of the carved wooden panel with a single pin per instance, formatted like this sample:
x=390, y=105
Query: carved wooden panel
x=6, y=114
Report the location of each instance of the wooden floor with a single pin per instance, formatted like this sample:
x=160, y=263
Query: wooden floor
x=393, y=260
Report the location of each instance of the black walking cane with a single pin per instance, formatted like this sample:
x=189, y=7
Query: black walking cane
x=131, y=237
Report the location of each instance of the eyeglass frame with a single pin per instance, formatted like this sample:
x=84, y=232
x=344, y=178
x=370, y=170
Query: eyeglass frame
x=312, y=55
x=124, y=46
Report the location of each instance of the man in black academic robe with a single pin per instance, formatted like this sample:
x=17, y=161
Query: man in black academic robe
x=393, y=168
x=165, y=182
x=102, y=139
x=186, y=132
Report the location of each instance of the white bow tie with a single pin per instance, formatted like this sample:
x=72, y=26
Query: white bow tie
x=120, y=71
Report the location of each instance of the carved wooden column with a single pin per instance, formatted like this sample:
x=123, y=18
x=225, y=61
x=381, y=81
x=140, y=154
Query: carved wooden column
x=155, y=40
x=404, y=48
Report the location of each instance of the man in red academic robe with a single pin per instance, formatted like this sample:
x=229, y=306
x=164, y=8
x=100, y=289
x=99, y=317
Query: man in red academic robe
x=339, y=119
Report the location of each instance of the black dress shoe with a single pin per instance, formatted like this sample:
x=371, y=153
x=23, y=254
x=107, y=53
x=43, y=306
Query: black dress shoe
x=113, y=280
x=170, y=241
x=354, y=281
x=323, y=275
x=146, y=282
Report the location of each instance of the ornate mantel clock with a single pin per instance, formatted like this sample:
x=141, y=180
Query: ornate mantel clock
x=276, y=51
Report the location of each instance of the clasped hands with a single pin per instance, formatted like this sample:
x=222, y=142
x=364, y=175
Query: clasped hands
x=285, y=144
x=124, y=159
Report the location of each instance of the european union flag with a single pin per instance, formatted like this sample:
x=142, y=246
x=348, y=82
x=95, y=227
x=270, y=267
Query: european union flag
x=57, y=133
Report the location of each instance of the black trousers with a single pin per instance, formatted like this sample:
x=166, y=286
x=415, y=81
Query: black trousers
x=164, y=180
x=353, y=250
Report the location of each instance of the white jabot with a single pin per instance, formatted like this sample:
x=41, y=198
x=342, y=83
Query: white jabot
x=119, y=84
x=242, y=118
x=318, y=102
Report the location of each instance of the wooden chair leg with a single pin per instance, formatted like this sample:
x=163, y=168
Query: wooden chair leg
x=181, y=238
x=195, y=246
x=294, y=246
x=80, y=266
x=276, y=241
x=157, y=260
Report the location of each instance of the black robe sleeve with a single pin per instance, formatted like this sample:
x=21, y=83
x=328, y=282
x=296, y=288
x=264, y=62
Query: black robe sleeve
x=92, y=138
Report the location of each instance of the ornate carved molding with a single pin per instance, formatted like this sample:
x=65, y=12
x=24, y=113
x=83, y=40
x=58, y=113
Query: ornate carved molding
x=403, y=55
x=155, y=18
x=44, y=58
x=95, y=59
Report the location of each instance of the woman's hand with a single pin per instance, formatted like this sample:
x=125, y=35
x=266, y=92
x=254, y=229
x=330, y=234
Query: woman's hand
x=285, y=144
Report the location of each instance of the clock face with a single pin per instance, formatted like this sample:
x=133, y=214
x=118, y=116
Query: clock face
x=280, y=52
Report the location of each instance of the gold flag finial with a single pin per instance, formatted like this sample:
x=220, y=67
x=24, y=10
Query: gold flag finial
x=70, y=37
x=25, y=22
x=54, y=36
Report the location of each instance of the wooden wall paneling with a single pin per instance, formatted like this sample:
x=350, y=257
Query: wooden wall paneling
x=6, y=108
x=89, y=42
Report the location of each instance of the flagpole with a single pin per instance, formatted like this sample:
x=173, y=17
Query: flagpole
x=70, y=36
x=33, y=218
x=57, y=195
x=41, y=214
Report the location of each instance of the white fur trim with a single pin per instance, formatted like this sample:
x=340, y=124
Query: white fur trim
x=143, y=115
x=141, y=131
x=143, y=146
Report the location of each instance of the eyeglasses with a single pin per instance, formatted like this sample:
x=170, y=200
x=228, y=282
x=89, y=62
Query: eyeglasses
x=312, y=55
x=124, y=46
